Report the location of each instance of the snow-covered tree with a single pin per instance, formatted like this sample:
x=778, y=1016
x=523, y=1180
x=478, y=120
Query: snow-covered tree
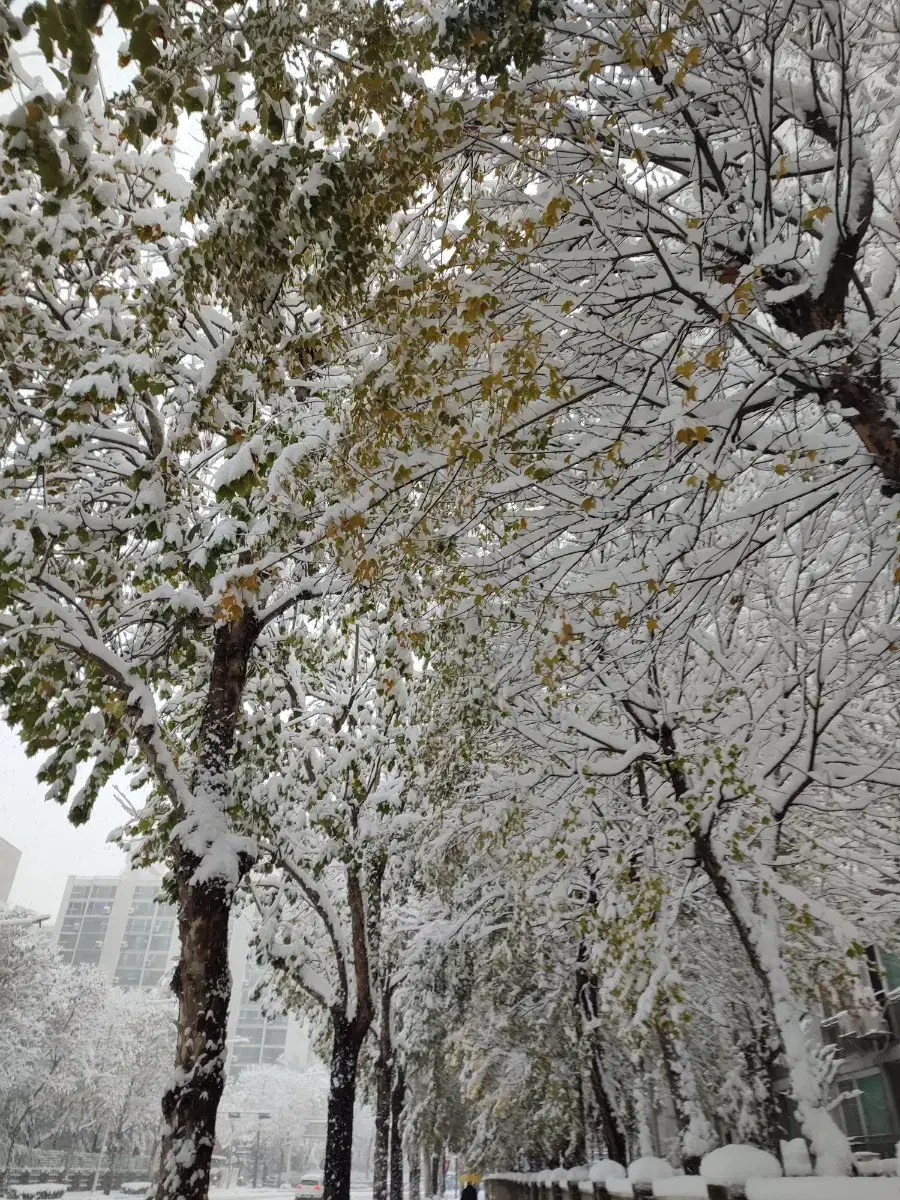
x=48, y=1016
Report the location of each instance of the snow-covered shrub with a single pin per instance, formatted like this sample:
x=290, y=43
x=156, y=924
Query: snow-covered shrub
x=795, y=1156
x=137, y=1187
x=736, y=1164
x=35, y=1191
x=648, y=1168
x=879, y=1166
x=606, y=1168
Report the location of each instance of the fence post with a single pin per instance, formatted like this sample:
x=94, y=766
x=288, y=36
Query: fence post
x=601, y=1192
x=642, y=1191
x=721, y=1191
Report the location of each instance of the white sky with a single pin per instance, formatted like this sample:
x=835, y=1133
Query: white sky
x=51, y=847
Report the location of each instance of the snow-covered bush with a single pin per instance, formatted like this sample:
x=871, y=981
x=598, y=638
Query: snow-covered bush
x=35, y=1191
x=606, y=1169
x=795, y=1156
x=137, y=1187
x=648, y=1169
x=736, y=1164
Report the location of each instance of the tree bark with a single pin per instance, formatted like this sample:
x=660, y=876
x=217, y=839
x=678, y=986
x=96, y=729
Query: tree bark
x=203, y=978
x=415, y=1173
x=192, y=1100
x=382, y=1102
x=758, y=935
x=586, y=1014
x=398, y=1099
x=341, y=1099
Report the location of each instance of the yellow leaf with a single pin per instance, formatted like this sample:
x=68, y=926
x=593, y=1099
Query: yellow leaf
x=686, y=369
x=694, y=222
x=653, y=585
x=714, y=482
x=820, y=213
x=780, y=469
x=653, y=624
x=812, y=455
x=622, y=619
x=713, y=358
x=588, y=503
x=897, y=575
x=230, y=608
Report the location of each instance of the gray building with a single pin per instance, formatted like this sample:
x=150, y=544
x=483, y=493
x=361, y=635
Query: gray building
x=122, y=925
x=9, y=864
x=866, y=1041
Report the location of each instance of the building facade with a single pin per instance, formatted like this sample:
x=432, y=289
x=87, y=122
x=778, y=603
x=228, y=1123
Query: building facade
x=9, y=864
x=866, y=1041
x=122, y=925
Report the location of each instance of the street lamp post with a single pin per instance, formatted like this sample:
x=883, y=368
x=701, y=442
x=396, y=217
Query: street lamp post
x=263, y=1116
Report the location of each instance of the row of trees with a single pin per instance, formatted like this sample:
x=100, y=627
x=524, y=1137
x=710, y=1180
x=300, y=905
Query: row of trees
x=82, y=1064
x=464, y=501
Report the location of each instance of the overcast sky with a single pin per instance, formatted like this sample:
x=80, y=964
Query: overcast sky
x=51, y=847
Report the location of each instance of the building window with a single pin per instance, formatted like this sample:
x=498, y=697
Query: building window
x=147, y=942
x=890, y=969
x=867, y=1112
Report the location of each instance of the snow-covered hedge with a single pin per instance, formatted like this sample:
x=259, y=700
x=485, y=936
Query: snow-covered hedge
x=137, y=1187
x=35, y=1191
x=736, y=1164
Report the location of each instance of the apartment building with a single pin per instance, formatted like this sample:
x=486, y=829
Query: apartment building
x=866, y=1041
x=9, y=864
x=122, y=925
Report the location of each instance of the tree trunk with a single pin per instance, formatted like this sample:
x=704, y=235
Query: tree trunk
x=759, y=936
x=382, y=1102
x=204, y=987
x=203, y=980
x=398, y=1098
x=693, y=1142
x=586, y=1016
x=415, y=1173
x=435, y=1174
x=341, y=1098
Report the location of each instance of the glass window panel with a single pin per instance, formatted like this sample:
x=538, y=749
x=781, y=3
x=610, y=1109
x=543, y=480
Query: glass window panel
x=850, y=1113
x=874, y=1105
x=151, y=978
x=890, y=966
x=105, y=893
x=80, y=893
x=95, y=924
x=272, y=1054
x=86, y=956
